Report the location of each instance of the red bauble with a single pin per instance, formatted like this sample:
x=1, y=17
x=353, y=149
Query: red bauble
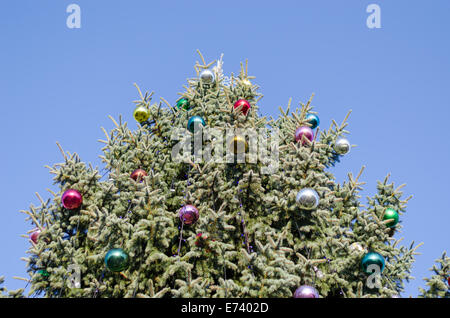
x=448, y=280
x=35, y=235
x=71, y=199
x=244, y=104
x=138, y=174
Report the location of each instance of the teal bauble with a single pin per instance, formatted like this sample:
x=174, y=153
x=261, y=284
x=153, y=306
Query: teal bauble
x=372, y=258
x=183, y=103
x=117, y=260
x=391, y=214
x=313, y=120
x=194, y=123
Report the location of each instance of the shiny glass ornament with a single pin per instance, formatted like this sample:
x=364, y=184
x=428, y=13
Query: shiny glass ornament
x=342, y=146
x=71, y=199
x=117, y=260
x=372, y=258
x=141, y=114
x=188, y=214
x=357, y=248
x=306, y=291
x=43, y=273
x=245, y=106
x=207, y=77
x=35, y=235
x=304, y=131
x=238, y=145
x=194, y=122
x=183, y=103
x=391, y=214
x=307, y=199
x=313, y=120
x=138, y=174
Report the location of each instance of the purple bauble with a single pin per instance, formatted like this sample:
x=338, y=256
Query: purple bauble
x=306, y=291
x=71, y=199
x=304, y=131
x=188, y=214
x=35, y=235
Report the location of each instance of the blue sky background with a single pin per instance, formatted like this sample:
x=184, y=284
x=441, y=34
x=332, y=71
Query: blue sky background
x=59, y=84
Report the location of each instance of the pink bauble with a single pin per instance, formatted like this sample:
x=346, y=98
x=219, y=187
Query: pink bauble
x=188, y=214
x=71, y=199
x=304, y=131
x=245, y=105
x=35, y=235
x=306, y=291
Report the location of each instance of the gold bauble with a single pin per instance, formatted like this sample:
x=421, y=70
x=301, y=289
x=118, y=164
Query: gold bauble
x=238, y=145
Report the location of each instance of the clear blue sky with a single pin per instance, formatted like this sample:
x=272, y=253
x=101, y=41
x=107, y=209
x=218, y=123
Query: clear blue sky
x=59, y=84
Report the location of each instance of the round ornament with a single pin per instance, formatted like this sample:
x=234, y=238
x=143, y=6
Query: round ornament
x=306, y=291
x=313, y=120
x=391, y=214
x=194, y=122
x=448, y=280
x=357, y=248
x=188, y=214
x=245, y=106
x=342, y=146
x=35, y=235
x=207, y=77
x=183, y=103
x=71, y=199
x=238, y=145
x=43, y=273
x=372, y=258
x=138, y=174
x=307, y=199
x=117, y=260
x=141, y=114
x=304, y=131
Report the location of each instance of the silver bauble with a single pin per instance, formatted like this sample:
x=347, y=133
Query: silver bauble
x=207, y=77
x=342, y=146
x=307, y=199
x=357, y=248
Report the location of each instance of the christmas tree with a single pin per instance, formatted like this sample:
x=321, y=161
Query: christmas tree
x=438, y=284
x=254, y=211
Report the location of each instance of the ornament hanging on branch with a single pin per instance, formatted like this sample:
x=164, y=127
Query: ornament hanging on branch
x=342, y=146
x=43, y=273
x=306, y=291
x=307, y=199
x=194, y=123
x=188, y=214
x=141, y=114
x=391, y=214
x=117, y=260
x=138, y=174
x=35, y=235
x=183, y=103
x=304, y=131
x=238, y=145
x=313, y=120
x=207, y=77
x=372, y=258
x=357, y=248
x=245, y=106
x=71, y=199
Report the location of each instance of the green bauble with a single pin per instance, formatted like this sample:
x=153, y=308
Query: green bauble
x=141, y=114
x=117, y=260
x=372, y=258
x=183, y=103
x=391, y=214
x=43, y=273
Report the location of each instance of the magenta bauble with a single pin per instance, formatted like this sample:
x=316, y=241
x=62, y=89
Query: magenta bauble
x=304, y=131
x=188, y=214
x=35, y=235
x=71, y=199
x=306, y=291
x=244, y=104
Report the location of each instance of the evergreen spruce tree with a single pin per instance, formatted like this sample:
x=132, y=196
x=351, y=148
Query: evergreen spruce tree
x=253, y=237
x=438, y=284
